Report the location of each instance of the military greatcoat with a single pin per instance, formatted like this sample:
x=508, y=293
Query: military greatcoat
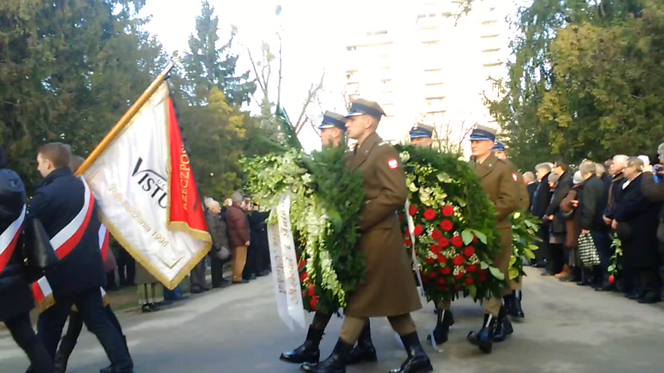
x=389, y=288
x=499, y=180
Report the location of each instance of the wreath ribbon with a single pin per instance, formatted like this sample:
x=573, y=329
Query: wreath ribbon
x=416, y=263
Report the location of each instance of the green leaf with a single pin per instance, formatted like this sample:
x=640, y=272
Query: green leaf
x=514, y=273
x=484, y=265
x=528, y=254
x=495, y=272
x=512, y=260
x=480, y=236
x=611, y=268
x=533, y=247
x=472, y=289
x=467, y=236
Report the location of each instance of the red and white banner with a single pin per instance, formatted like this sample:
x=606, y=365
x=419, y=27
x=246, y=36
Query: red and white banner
x=9, y=238
x=66, y=240
x=144, y=185
x=104, y=238
x=43, y=294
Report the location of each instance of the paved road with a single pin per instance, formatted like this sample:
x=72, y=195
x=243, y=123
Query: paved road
x=568, y=329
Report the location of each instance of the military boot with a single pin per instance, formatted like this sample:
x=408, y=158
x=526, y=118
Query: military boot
x=417, y=361
x=62, y=356
x=308, y=352
x=364, y=350
x=335, y=363
x=483, y=338
x=441, y=332
x=503, y=326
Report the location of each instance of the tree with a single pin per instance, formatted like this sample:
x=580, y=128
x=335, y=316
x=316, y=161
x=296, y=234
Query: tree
x=208, y=65
x=70, y=69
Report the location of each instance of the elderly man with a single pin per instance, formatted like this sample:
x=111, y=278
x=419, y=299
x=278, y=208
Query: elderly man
x=540, y=203
x=389, y=288
x=636, y=225
x=238, y=236
x=498, y=178
x=558, y=251
x=603, y=242
x=591, y=204
x=220, y=243
x=531, y=185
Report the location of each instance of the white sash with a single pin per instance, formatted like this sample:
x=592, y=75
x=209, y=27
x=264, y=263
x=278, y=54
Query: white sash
x=70, y=229
x=7, y=237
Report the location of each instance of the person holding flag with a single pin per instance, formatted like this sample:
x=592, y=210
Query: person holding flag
x=75, y=318
x=66, y=208
x=16, y=300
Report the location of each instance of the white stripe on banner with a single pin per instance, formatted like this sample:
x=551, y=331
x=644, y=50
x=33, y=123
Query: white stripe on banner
x=8, y=235
x=284, y=266
x=416, y=263
x=45, y=286
x=68, y=231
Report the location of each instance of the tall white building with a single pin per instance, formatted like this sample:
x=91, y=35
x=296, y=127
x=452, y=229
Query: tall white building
x=423, y=64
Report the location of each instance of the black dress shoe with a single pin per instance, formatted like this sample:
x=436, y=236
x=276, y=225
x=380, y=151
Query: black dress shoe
x=517, y=309
x=483, y=338
x=308, y=352
x=634, y=295
x=503, y=327
x=241, y=282
x=335, y=363
x=650, y=298
x=417, y=361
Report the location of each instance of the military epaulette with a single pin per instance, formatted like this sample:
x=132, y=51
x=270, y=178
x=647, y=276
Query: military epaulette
x=385, y=143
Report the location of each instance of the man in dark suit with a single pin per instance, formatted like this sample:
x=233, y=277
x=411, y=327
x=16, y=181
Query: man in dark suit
x=531, y=186
x=539, y=204
x=66, y=208
x=558, y=253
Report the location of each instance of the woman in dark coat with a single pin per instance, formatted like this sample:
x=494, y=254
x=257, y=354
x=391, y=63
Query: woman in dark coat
x=636, y=221
x=16, y=300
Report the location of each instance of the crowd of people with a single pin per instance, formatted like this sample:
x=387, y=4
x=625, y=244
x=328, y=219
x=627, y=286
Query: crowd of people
x=588, y=214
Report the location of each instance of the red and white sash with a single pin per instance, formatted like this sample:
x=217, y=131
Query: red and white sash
x=43, y=294
x=66, y=240
x=9, y=238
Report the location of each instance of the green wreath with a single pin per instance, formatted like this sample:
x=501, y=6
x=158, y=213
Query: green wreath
x=454, y=226
x=325, y=213
x=524, y=241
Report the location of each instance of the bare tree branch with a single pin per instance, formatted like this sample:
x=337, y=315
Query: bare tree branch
x=258, y=78
x=280, y=71
x=312, y=94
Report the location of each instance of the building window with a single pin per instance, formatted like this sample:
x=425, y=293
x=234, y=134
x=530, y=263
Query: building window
x=493, y=64
x=489, y=36
x=431, y=42
x=435, y=117
x=352, y=87
x=380, y=33
x=492, y=50
x=350, y=49
x=352, y=76
x=353, y=97
x=386, y=81
x=486, y=23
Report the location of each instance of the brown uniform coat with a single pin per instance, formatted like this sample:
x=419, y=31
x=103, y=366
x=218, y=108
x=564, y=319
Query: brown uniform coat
x=524, y=197
x=498, y=180
x=389, y=289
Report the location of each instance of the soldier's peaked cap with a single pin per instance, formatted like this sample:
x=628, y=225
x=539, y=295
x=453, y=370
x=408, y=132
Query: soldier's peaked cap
x=482, y=133
x=498, y=147
x=365, y=107
x=332, y=120
x=421, y=131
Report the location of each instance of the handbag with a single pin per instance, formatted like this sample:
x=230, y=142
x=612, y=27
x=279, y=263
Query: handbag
x=588, y=251
x=39, y=253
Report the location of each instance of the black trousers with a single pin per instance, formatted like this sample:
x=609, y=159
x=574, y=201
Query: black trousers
x=91, y=309
x=543, y=252
x=76, y=324
x=648, y=280
x=126, y=268
x=20, y=328
x=251, y=266
x=556, y=258
x=602, y=242
x=217, y=271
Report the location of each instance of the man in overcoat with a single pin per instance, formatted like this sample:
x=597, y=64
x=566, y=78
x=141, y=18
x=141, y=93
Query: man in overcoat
x=498, y=179
x=389, y=289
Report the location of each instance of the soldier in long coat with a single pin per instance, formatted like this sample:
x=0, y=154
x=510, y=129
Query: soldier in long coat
x=513, y=300
x=389, y=289
x=498, y=179
x=332, y=131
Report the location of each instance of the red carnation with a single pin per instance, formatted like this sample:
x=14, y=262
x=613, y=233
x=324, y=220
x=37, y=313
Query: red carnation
x=432, y=275
x=459, y=275
x=441, y=281
x=314, y=303
x=429, y=214
x=446, y=225
x=612, y=279
x=418, y=230
x=475, y=239
x=302, y=264
x=431, y=260
x=436, y=249
x=446, y=270
x=468, y=251
x=442, y=258
x=469, y=281
x=482, y=278
x=304, y=276
x=312, y=291
x=471, y=268
x=443, y=242
x=457, y=241
x=412, y=210
x=407, y=242
x=448, y=211
x=458, y=260
x=436, y=235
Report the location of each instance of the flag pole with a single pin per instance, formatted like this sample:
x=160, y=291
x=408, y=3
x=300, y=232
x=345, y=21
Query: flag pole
x=126, y=118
